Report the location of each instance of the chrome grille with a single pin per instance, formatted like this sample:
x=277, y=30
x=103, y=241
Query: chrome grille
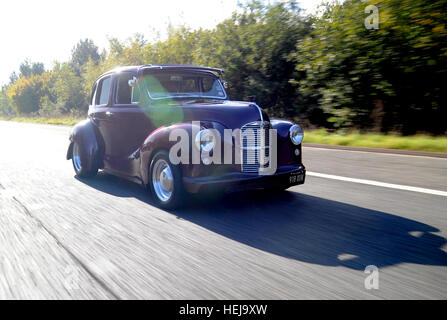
x=254, y=139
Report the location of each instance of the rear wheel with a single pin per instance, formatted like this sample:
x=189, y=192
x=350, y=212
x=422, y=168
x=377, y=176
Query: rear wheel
x=79, y=163
x=165, y=181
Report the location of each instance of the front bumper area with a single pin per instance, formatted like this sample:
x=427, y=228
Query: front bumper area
x=238, y=181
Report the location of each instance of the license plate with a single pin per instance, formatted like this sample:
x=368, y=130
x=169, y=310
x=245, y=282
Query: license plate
x=296, y=178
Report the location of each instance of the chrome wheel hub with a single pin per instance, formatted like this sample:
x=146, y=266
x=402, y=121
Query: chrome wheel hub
x=162, y=180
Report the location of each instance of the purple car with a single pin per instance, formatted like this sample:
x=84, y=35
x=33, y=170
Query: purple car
x=173, y=129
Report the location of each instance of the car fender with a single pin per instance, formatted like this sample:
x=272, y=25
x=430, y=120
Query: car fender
x=285, y=146
x=282, y=127
x=159, y=140
x=87, y=135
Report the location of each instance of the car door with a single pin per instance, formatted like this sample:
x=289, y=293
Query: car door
x=124, y=126
x=101, y=115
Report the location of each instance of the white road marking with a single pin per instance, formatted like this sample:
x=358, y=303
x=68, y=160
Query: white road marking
x=378, y=184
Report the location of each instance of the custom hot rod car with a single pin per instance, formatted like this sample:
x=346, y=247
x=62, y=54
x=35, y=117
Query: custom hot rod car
x=173, y=129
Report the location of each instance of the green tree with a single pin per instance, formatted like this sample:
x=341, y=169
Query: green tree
x=27, y=92
x=84, y=51
x=254, y=47
x=68, y=90
x=390, y=78
x=13, y=77
x=28, y=68
x=6, y=107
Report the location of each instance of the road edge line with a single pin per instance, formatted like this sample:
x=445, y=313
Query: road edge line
x=379, y=184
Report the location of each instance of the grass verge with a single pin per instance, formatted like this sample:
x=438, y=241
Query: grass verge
x=66, y=121
x=416, y=142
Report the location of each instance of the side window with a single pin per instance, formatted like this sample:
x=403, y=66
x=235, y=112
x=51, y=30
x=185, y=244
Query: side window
x=125, y=94
x=103, y=92
x=189, y=85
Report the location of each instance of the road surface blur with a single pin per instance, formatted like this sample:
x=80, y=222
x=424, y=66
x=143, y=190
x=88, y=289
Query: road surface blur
x=63, y=238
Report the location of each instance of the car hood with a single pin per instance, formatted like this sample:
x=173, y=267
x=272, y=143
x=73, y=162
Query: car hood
x=232, y=114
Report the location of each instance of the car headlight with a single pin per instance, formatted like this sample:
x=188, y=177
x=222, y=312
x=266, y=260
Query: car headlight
x=205, y=140
x=296, y=134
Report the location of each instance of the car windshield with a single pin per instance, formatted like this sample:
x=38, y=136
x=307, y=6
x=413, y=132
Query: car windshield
x=162, y=84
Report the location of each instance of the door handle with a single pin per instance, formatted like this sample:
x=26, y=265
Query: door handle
x=109, y=114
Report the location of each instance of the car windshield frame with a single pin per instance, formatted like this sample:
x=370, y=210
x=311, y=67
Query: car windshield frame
x=181, y=95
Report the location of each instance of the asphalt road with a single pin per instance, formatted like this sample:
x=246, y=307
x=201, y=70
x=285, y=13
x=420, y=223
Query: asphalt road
x=62, y=238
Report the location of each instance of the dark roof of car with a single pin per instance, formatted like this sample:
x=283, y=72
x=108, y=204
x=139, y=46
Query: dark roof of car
x=163, y=66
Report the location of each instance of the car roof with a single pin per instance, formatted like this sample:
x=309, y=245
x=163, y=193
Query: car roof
x=161, y=67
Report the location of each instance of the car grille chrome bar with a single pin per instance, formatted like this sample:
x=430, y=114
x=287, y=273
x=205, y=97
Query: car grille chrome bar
x=255, y=145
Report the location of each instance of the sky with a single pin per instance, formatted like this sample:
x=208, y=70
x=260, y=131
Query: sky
x=47, y=30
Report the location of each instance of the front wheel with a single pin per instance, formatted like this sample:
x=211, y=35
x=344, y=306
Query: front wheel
x=165, y=181
x=79, y=163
